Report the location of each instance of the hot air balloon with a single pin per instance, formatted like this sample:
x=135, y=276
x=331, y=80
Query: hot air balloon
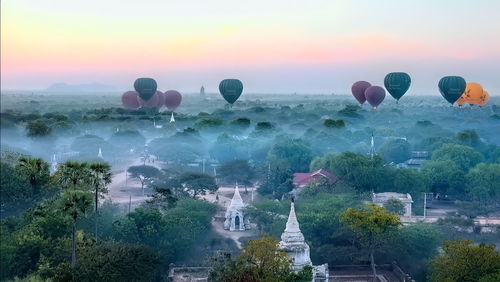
x=146, y=87
x=358, y=90
x=484, y=98
x=397, y=83
x=172, y=101
x=452, y=87
x=375, y=95
x=129, y=100
x=461, y=101
x=161, y=101
x=231, y=89
x=154, y=101
x=473, y=93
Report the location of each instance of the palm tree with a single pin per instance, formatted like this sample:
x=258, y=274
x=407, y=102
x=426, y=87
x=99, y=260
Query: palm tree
x=37, y=172
x=100, y=176
x=75, y=203
x=73, y=172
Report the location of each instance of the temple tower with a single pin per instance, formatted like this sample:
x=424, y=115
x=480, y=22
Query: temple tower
x=235, y=218
x=292, y=242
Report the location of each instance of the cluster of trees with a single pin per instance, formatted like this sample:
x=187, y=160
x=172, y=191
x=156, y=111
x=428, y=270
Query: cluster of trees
x=66, y=234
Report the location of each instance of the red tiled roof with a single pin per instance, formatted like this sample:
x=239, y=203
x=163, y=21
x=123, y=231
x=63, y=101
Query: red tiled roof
x=302, y=179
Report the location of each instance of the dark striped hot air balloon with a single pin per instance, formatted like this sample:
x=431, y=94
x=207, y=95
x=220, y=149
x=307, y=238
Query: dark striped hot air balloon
x=231, y=89
x=146, y=87
x=397, y=83
x=452, y=87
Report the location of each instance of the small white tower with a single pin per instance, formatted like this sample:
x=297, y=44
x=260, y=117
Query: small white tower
x=235, y=219
x=53, y=165
x=99, y=155
x=172, y=119
x=372, y=148
x=292, y=242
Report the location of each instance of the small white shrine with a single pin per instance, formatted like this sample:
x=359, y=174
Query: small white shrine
x=235, y=218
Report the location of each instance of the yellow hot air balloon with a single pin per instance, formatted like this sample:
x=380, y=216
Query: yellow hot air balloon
x=473, y=93
x=484, y=98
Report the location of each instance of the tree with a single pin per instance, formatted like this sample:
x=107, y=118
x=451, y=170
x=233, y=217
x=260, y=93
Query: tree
x=295, y=151
x=237, y=171
x=36, y=171
x=197, y=183
x=445, y=177
x=395, y=151
x=75, y=203
x=163, y=198
x=14, y=189
x=74, y=173
x=372, y=226
x=463, y=156
x=100, y=178
x=395, y=206
x=111, y=261
x=261, y=260
x=464, y=261
x=38, y=128
x=362, y=172
x=278, y=180
x=144, y=173
x=483, y=182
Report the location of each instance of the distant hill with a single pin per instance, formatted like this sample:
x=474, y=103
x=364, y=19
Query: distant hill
x=88, y=87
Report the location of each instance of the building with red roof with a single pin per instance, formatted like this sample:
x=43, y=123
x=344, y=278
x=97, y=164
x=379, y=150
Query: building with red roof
x=301, y=180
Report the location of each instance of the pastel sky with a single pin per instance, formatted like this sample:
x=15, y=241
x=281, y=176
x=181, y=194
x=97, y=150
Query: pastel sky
x=273, y=46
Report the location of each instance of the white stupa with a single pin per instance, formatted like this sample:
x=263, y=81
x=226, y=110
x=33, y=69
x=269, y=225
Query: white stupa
x=99, y=155
x=172, y=119
x=292, y=242
x=235, y=219
x=53, y=165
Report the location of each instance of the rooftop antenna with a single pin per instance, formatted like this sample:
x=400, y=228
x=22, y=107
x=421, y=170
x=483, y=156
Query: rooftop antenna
x=372, y=148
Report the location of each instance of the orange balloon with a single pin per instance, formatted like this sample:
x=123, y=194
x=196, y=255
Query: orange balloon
x=484, y=98
x=461, y=100
x=473, y=93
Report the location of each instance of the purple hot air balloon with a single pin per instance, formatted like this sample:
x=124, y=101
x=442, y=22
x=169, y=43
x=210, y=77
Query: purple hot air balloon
x=358, y=90
x=161, y=102
x=152, y=102
x=172, y=99
x=375, y=95
x=129, y=100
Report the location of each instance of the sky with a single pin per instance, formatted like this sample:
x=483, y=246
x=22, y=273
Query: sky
x=273, y=46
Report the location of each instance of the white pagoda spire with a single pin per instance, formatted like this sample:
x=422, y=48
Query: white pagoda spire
x=172, y=119
x=53, y=166
x=236, y=201
x=292, y=242
x=99, y=155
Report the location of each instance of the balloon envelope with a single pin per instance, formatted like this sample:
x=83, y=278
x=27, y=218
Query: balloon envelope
x=161, y=102
x=146, y=87
x=452, y=87
x=375, y=95
x=172, y=99
x=358, y=90
x=231, y=89
x=129, y=100
x=397, y=83
x=154, y=101
x=484, y=98
x=473, y=92
x=461, y=100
